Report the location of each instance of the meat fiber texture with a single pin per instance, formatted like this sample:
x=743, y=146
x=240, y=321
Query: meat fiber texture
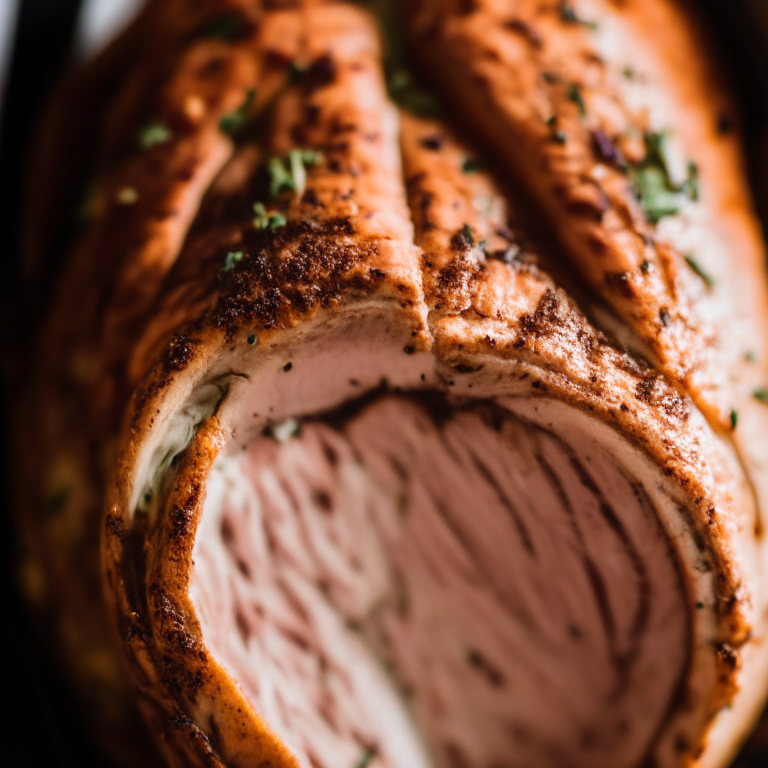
x=401, y=427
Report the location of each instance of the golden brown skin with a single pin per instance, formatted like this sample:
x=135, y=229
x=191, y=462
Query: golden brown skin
x=560, y=115
x=143, y=302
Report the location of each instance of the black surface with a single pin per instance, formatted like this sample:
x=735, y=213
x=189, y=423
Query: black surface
x=38, y=728
x=37, y=725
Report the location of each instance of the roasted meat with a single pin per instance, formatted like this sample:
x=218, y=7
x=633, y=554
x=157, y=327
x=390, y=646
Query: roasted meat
x=409, y=439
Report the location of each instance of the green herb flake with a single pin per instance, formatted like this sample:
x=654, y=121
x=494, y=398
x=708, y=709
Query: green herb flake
x=466, y=233
x=750, y=356
x=408, y=94
x=658, y=194
x=699, y=605
x=365, y=758
x=471, y=166
x=560, y=137
x=700, y=271
x=232, y=258
x=261, y=218
x=279, y=177
x=575, y=95
x=292, y=176
x=228, y=26
x=251, y=340
x=153, y=134
x=761, y=394
x=569, y=16
x=691, y=185
x=656, y=198
x=629, y=72
x=296, y=71
x=297, y=170
x=549, y=77
x=265, y=220
x=233, y=121
x=734, y=418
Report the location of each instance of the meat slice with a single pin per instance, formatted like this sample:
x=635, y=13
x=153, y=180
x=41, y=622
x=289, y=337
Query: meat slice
x=416, y=562
x=379, y=492
x=611, y=119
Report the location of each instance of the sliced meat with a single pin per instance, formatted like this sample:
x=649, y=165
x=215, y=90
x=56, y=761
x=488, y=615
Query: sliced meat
x=376, y=489
x=421, y=563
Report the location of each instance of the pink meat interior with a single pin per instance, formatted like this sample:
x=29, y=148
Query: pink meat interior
x=410, y=584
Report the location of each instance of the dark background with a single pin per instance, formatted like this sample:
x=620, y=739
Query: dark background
x=38, y=728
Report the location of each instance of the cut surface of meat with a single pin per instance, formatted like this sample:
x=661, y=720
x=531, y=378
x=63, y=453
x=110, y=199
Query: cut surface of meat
x=412, y=579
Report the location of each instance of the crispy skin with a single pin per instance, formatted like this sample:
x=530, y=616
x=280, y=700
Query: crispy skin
x=520, y=75
x=148, y=303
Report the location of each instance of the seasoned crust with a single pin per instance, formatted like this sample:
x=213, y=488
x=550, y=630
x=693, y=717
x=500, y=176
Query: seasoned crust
x=167, y=306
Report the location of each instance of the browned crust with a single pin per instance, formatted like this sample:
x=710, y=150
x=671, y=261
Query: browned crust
x=154, y=308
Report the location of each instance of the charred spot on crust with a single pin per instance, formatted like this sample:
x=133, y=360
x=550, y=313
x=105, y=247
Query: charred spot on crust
x=179, y=352
x=655, y=391
x=289, y=272
x=115, y=526
x=526, y=30
x=727, y=655
x=321, y=72
x=433, y=142
x=621, y=282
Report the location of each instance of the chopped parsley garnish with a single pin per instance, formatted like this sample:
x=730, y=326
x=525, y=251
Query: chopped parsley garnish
x=629, y=72
x=407, y=94
x=228, y=26
x=251, y=340
x=560, y=137
x=365, y=758
x=750, y=356
x=734, y=417
x=656, y=198
x=761, y=394
x=569, y=16
x=700, y=271
x=466, y=234
x=153, y=134
x=233, y=121
x=658, y=194
x=265, y=220
x=232, y=258
x=574, y=94
x=549, y=77
x=699, y=605
x=691, y=184
x=470, y=166
x=293, y=175
x=296, y=71
x=551, y=121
